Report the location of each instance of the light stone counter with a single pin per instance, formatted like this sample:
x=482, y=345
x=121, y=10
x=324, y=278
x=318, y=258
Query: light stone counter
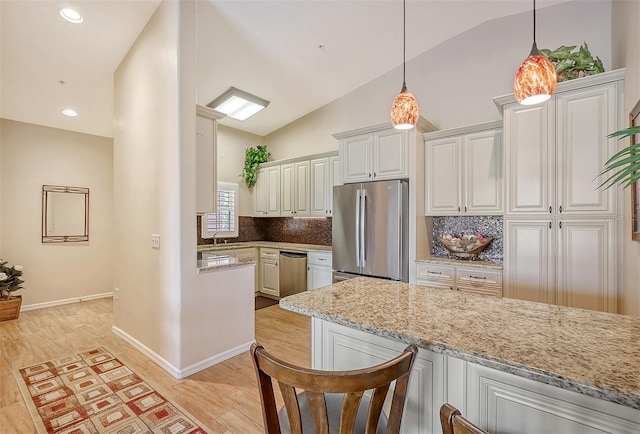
x=460, y=262
x=214, y=264
x=593, y=353
x=272, y=244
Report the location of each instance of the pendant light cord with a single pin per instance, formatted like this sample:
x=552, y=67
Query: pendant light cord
x=404, y=42
x=534, y=21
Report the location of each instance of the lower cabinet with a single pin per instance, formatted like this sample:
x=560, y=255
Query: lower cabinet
x=319, y=271
x=269, y=271
x=496, y=401
x=472, y=280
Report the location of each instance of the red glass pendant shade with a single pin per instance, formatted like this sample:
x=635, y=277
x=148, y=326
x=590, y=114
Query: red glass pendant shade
x=536, y=79
x=404, y=111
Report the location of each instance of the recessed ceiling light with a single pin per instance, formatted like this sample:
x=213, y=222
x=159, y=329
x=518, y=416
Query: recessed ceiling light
x=70, y=112
x=71, y=15
x=238, y=104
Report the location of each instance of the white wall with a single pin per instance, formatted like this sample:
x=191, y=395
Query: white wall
x=626, y=53
x=455, y=81
x=32, y=156
x=147, y=188
x=232, y=145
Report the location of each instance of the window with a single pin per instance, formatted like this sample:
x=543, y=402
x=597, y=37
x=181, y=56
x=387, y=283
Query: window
x=224, y=223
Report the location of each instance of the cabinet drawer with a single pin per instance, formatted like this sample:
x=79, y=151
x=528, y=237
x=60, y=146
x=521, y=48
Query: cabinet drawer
x=434, y=284
x=491, y=290
x=433, y=272
x=478, y=277
x=248, y=253
x=267, y=253
x=319, y=258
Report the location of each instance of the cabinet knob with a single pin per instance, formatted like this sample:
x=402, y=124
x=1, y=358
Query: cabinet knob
x=374, y=174
x=458, y=209
x=465, y=208
x=560, y=224
x=549, y=209
x=560, y=209
x=549, y=225
x=369, y=175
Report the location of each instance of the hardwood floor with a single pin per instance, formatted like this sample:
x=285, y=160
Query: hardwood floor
x=224, y=397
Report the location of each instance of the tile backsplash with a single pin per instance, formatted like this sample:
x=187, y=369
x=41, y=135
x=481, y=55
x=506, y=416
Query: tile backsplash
x=486, y=225
x=281, y=229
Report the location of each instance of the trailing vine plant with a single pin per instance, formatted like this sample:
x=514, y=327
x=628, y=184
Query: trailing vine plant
x=252, y=159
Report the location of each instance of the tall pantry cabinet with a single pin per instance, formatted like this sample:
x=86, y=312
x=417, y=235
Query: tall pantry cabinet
x=561, y=232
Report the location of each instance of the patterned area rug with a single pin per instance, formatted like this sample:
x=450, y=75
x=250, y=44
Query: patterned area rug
x=94, y=392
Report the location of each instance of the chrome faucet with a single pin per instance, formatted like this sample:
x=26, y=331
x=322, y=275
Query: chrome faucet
x=215, y=240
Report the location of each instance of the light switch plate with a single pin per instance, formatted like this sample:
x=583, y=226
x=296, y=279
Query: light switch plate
x=155, y=241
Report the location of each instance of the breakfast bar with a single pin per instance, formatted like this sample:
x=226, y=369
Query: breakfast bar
x=509, y=365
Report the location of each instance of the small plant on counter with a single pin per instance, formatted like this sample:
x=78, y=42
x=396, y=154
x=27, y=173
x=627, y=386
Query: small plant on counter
x=9, y=279
x=252, y=159
x=573, y=65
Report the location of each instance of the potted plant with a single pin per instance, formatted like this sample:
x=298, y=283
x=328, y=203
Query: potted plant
x=573, y=65
x=252, y=159
x=624, y=164
x=10, y=282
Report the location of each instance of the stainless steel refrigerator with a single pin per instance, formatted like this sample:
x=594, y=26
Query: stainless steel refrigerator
x=370, y=230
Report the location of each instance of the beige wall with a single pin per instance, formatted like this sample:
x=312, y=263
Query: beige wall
x=31, y=156
x=455, y=81
x=232, y=145
x=625, y=43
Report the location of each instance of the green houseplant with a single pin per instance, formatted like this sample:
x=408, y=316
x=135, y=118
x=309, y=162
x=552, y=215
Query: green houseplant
x=624, y=167
x=570, y=65
x=9, y=282
x=252, y=159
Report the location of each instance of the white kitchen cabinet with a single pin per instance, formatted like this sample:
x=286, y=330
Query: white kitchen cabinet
x=325, y=173
x=472, y=280
x=319, y=271
x=374, y=154
x=560, y=229
x=206, y=172
x=464, y=170
x=567, y=262
x=269, y=271
x=267, y=192
x=295, y=189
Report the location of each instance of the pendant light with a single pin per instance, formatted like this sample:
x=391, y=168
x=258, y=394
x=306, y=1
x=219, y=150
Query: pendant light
x=404, y=111
x=536, y=79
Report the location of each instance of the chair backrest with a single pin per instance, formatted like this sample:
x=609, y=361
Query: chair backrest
x=316, y=383
x=453, y=422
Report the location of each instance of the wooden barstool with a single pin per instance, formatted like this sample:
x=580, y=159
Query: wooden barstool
x=453, y=423
x=332, y=401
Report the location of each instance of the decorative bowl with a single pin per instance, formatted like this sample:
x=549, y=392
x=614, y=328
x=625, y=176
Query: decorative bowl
x=465, y=246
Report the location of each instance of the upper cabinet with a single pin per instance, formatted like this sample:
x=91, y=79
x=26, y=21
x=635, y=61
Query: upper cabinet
x=267, y=192
x=374, y=154
x=295, y=189
x=463, y=170
x=206, y=183
x=325, y=173
x=555, y=151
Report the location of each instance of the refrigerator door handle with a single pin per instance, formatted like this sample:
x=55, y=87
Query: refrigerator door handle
x=363, y=226
x=357, y=227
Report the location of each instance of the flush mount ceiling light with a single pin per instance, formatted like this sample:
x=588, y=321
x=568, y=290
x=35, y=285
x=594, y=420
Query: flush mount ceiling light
x=70, y=112
x=404, y=111
x=71, y=15
x=238, y=104
x=536, y=79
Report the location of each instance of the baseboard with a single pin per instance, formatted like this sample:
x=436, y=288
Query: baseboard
x=181, y=373
x=164, y=364
x=196, y=367
x=35, y=306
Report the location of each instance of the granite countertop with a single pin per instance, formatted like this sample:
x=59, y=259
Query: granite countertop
x=593, y=353
x=461, y=262
x=272, y=244
x=220, y=263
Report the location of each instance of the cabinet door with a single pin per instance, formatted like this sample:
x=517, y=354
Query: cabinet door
x=443, y=176
x=586, y=270
x=320, y=187
x=355, y=155
x=287, y=189
x=390, y=154
x=273, y=191
x=529, y=260
x=302, y=189
x=318, y=276
x=482, y=172
x=260, y=193
x=585, y=118
x=335, y=178
x=529, y=145
x=269, y=277
x=205, y=165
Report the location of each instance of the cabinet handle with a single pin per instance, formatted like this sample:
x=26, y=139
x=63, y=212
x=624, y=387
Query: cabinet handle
x=560, y=209
x=560, y=224
x=549, y=209
x=549, y=225
x=369, y=175
x=477, y=277
x=465, y=208
x=458, y=209
x=434, y=272
x=374, y=174
x=451, y=288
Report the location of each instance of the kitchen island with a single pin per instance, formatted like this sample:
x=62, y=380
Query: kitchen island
x=508, y=365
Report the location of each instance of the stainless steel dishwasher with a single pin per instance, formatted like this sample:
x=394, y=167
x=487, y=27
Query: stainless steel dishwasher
x=293, y=273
